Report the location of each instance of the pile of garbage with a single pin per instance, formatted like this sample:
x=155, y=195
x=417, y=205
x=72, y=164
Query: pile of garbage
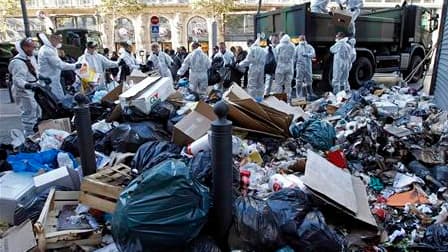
x=358, y=171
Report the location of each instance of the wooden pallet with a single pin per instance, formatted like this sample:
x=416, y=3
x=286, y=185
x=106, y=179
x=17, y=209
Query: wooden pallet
x=102, y=189
x=45, y=228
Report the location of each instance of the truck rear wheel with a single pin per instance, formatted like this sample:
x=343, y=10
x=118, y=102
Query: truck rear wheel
x=416, y=59
x=362, y=70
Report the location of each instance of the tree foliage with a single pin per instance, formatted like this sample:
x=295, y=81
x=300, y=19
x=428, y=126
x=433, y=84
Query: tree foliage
x=7, y=8
x=215, y=8
x=120, y=6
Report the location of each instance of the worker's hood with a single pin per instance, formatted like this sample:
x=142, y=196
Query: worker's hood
x=45, y=40
x=352, y=41
x=285, y=39
x=197, y=51
x=20, y=50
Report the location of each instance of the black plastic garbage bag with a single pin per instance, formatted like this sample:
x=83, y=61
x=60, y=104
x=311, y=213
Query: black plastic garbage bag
x=440, y=173
x=152, y=153
x=71, y=144
x=320, y=134
x=315, y=235
x=201, y=167
x=289, y=206
x=29, y=146
x=203, y=244
x=5, y=150
x=128, y=137
x=436, y=236
x=162, y=208
x=255, y=225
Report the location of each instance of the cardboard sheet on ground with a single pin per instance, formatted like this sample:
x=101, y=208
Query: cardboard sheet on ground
x=59, y=124
x=337, y=187
x=18, y=238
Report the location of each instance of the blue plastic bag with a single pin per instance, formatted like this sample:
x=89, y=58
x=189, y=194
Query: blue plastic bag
x=33, y=162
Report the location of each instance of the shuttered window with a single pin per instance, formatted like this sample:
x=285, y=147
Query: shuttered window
x=441, y=73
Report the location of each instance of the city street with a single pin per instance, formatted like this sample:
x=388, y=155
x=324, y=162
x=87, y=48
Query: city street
x=9, y=116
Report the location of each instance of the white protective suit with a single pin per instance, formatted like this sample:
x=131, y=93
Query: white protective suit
x=303, y=56
x=50, y=66
x=30, y=110
x=99, y=63
x=162, y=62
x=354, y=7
x=198, y=63
x=341, y=64
x=284, y=71
x=255, y=59
x=319, y=6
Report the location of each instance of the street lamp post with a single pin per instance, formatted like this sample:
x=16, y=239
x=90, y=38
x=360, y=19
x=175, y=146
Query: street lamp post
x=26, y=22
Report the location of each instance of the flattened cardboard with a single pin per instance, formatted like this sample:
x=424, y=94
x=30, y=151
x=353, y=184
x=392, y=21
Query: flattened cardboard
x=112, y=96
x=62, y=176
x=338, y=188
x=18, y=238
x=235, y=92
x=329, y=180
x=247, y=121
x=284, y=107
x=194, y=125
x=59, y=124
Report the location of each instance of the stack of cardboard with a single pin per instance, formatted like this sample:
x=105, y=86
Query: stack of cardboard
x=270, y=117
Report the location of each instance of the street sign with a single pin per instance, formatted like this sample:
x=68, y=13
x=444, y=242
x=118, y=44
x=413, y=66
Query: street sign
x=155, y=20
x=155, y=29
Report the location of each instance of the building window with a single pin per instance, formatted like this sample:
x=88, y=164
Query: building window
x=65, y=22
x=239, y=27
x=124, y=30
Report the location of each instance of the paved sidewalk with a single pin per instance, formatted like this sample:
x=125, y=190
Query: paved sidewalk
x=9, y=116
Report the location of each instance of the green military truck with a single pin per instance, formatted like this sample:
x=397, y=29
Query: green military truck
x=388, y=40
x=74, y=40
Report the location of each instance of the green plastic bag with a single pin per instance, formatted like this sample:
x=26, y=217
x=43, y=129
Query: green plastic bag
x=163, y=208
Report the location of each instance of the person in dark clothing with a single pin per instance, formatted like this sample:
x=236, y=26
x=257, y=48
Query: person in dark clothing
x=215, y=51
x=178, y=59
x=238, y=73
x=106, y=52
x=68, y=77
x=114, y=71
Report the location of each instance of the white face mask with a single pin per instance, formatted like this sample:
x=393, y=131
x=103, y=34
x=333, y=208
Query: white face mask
x=301, y=42
x=58, y=46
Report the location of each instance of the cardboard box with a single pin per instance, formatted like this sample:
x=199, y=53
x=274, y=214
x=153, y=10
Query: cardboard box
x=113, y=95
x=337, y=187
x=136, y=76
x=147, y=93
x=18, y=238
x=271, y=116
x=194, y=125
x=59, y=124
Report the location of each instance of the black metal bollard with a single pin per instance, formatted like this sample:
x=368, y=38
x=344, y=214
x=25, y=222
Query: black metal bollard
x=221, y=143
x=85, y=136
